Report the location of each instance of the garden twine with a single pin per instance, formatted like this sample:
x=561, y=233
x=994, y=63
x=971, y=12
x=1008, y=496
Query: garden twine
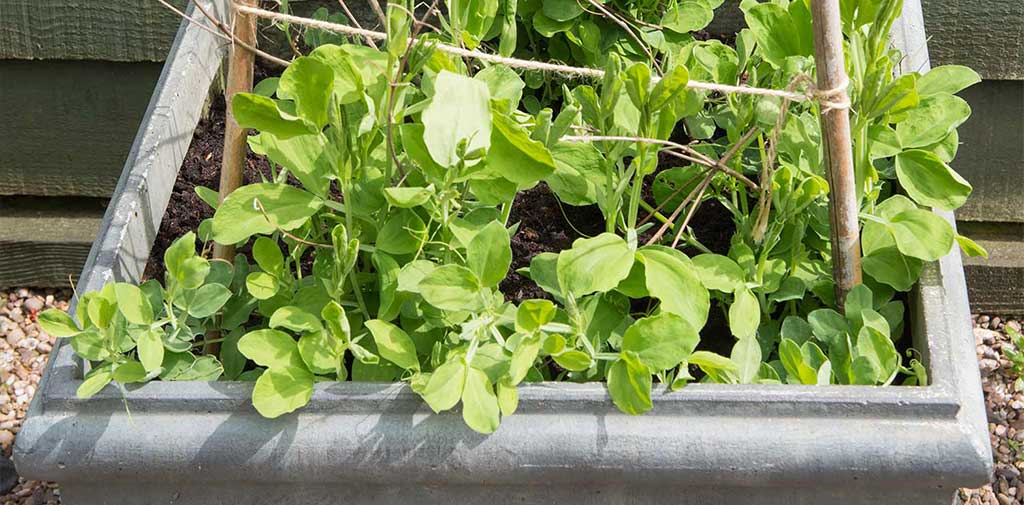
x=828, y=99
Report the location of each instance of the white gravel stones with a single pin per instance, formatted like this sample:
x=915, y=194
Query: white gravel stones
x=1005, y=415
x=24, y=349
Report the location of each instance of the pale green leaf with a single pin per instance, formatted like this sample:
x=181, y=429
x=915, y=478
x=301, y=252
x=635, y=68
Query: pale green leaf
x=280, y=391
x=394, y=344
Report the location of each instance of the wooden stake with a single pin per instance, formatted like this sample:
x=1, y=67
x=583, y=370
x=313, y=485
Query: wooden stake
x=240, y=69
x=835, y=135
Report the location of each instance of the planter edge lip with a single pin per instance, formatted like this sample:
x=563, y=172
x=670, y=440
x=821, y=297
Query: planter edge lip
x=948, y=413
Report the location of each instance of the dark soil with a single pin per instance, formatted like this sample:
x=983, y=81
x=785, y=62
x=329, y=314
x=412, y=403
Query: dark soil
x=201, y=167
x=545, y=225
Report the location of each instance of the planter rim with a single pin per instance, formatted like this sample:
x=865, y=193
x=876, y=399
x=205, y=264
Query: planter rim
x=701, y=435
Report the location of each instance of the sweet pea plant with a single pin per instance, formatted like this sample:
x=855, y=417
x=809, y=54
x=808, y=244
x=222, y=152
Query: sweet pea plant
x=383, y=262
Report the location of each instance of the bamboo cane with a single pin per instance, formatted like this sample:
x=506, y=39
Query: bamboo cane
x=240, y=70
x=838, y=151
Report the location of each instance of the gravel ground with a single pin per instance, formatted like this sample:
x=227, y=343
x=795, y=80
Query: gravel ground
x=24, y=349
x=1005, y=406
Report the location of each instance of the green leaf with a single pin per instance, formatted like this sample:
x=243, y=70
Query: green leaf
x=309, y=82
x=479, y=403
x=629, y=385
x=193, y=272
x=349, y=77
x=970, y=247
x=688, y=16
x=803, y=363
x=394, y=344
x=133, y=304
x=523, y=358
x=179, y=251
x=503, y=83
x=671, y=279
x=508, y=399
x=407, y=197
x=828, y=325
x=271, y=348
x=403, y=233
x=796, y=329
x=574, y=361
x=261, y=113
x=445, y=386
x=746, y=353
x=637, y=80
x=877, y=348
x=129, y=372
x=284, y=207
x=929, y=181
x=233, y=360
x=268, y=255
x=337, y=321
x=891, y=267
x=295, y=319
x=319, y=352
x=661, y=342
x=489, y=254
x=721, y=369
x=561, y=10
x=744, y=314
x=775, y=32
x=516, y=156
x=578, y=173
x=934, y=118
x=532, y=314
x=718, y=272
x=922, y=234
x=58, y=323
x=150, y=346
x=280, y=391
x=261, y=285
x=307, y=157
x=949, y=79
x=452, y=287
x=208, y=300
x=458, y=112
x=595, y=264
x=94, y=382
x=669, y=87
x=544, y=272
x=90, y=344
x=897, y=97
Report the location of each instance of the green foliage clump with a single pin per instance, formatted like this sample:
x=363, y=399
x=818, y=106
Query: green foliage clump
x=384, y=262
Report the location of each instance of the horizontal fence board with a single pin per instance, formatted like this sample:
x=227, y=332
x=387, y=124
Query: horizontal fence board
x=991, y=154
x=44, y=242
x=986, y=35
x=114, y=30
x=68, y=125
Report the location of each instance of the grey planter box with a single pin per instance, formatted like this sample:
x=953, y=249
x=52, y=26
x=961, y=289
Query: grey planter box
x=203, y=443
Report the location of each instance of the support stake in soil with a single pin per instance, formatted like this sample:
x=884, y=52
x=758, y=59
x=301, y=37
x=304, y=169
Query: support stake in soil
x=838, y=151
x=240, y=70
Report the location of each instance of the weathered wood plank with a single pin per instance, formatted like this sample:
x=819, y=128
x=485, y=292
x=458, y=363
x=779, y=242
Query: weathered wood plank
x=996, y=284
x=113, y=30
x=68, y=125
x=45, y=241
x=986, y=35
x=991, y=155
